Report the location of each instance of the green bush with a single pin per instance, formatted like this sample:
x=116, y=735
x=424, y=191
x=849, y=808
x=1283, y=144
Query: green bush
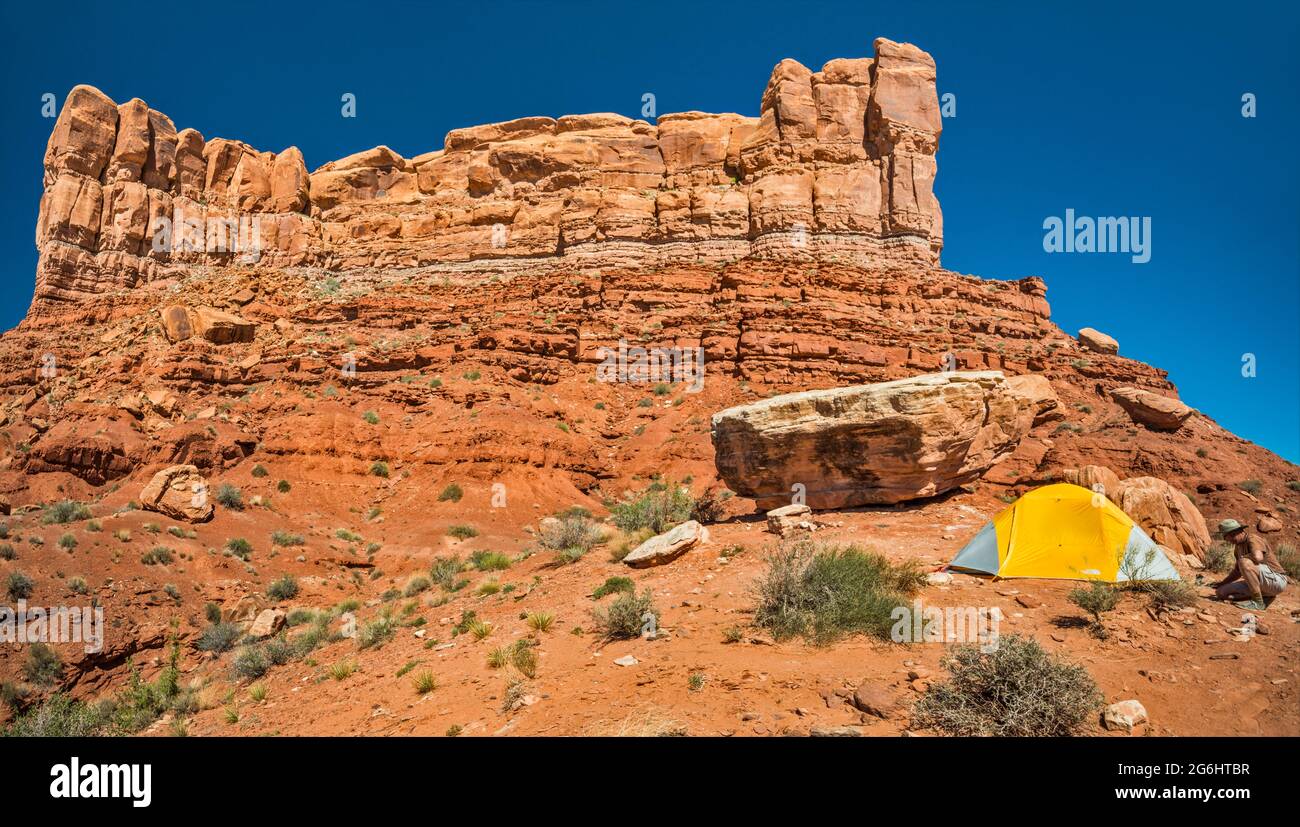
x=462, y=532
x=218, y=637
x=58, y=717
x=1290, y=560
x=1096, y=599
x=1017, y=689
x=43, y=666
x=240, y=547
x=1220, y=558
x=489, y=561
x=826, y=593
x=452, y=493
x=285, y=588
x=260, y=470
x=614, y=585
x=659, y=508
x=64, y=511
x=573, y=534
x=284, y=538
x=1250, y=486
x=251, y=662
x=379, y=469
x=626, y=616
x=230, y=497
x=19, y=586
x=158, y=555
x=445, y=571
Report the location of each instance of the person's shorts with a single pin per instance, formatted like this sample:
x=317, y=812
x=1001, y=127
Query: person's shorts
x=1270, y=582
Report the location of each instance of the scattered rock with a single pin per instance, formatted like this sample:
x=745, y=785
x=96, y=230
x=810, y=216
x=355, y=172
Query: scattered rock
x=874, y=700
x=179, y=492
x=788, y=520
x=626, y=660
x=1124, y=715
x=668, y=546
x=835, y=732
x=267, y=624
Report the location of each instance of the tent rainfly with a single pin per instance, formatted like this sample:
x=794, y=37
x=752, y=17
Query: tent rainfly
x=1065, y=532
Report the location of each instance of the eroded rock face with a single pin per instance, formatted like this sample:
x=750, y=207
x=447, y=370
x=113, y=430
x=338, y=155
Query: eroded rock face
x=1160, y=413
x=839, y=162
x=180, y=492
x=1164, y=513
x=873, y=444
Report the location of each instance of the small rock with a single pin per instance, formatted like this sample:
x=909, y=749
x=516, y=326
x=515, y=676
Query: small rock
x=1124, y=715
x=874, y=700
x=626, y=660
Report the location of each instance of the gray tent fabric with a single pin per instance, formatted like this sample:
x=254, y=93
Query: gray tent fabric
x=1144, y=561
x=980, y=554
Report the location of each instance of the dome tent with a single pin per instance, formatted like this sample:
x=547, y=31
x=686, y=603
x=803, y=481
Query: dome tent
x=1065, y=532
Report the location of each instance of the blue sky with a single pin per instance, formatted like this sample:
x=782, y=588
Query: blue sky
x=1111, y=109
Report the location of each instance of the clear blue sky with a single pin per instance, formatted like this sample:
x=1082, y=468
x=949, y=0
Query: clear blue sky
x=1109, y=108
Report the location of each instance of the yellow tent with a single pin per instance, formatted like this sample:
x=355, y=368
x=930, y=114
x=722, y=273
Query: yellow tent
x=1065, y=532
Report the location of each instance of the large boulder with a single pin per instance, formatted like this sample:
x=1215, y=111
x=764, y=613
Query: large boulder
x=668, y=546
x=1159, y=413
x=180, y=492
x=1097, y=342
x=876, y=444
x=1164, y=513
x=1091, y=476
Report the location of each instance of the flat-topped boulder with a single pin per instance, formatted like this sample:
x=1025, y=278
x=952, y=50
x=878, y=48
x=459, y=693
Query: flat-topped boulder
x=1160, y=413
x=877, y=444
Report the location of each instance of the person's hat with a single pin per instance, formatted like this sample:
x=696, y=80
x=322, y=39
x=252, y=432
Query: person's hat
x=1228, y=526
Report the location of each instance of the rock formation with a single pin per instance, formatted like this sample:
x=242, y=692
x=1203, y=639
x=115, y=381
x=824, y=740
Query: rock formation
x=839, y=162
x=882, y=443
x=1152, y=409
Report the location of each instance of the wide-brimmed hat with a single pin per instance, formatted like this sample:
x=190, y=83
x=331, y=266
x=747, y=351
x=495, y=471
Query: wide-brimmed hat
x=1229, y=525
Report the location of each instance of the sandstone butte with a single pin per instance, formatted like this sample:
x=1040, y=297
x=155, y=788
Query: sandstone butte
x=387, y=347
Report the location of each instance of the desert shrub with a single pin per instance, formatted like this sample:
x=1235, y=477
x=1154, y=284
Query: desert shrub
x=1250, y=486
x=7, y=552
x=1290, y=560
x=218, y=637
x=251, y=662
x=379, y=469
x=67, y=542
x=1096, y=599
x=284, y=588
x=708, y=506
x=1294, y=485
x=462, y=532
x=377, y=632
x=230, y=497
x=659, y=508
x=43, y=666
x=1220, y=558
x=626, y=616
x=58, y=717
x=826, y=593
x=523, y=658
x=452, y=493
x=78, y=585
x=1168, y=595
x=424, y=682
x=212, y=612
x=158, y=555
x=540, y=621
x=239, y=547
x=64, y=511
x=614, y=585
x=259, y=470
x=284, y=538
x=19, y=586
x=371, y=417
x=1017, y=689
x=573, y=532
x=445, y=572
x=348, y=536
x=489, y=561
x=415, y=586
x=283, y=486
